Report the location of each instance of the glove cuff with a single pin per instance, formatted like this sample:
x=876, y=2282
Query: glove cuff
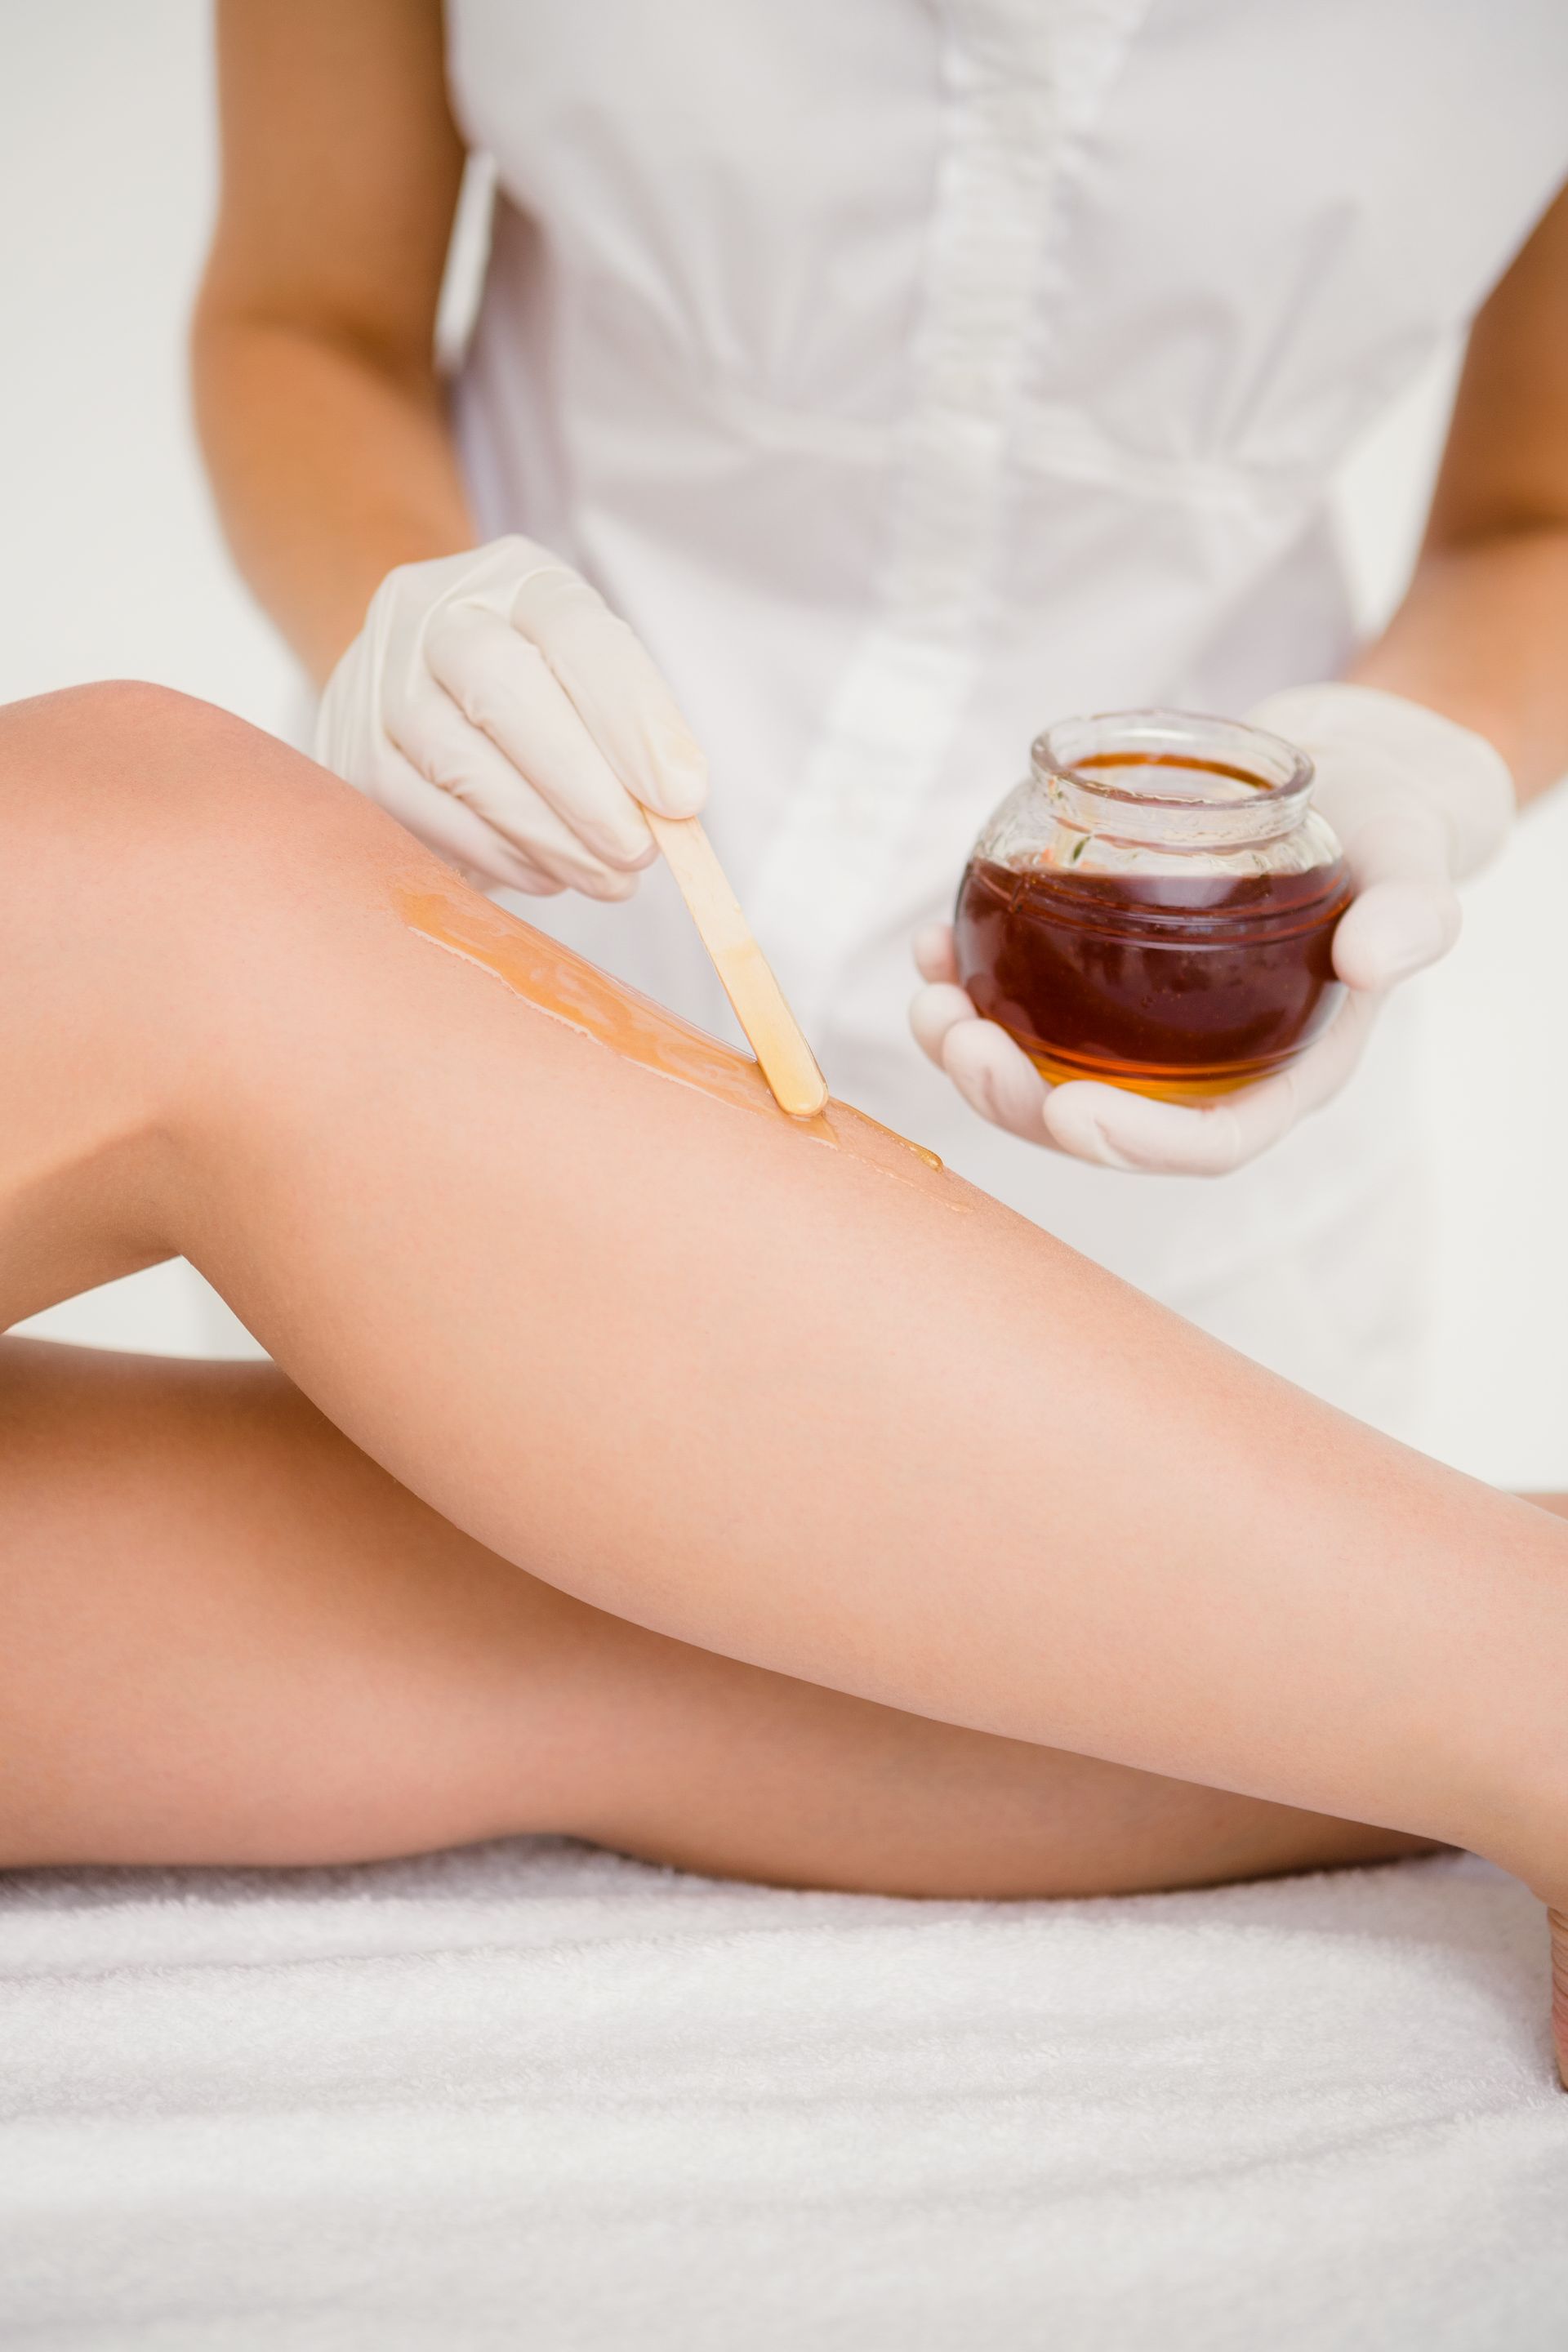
x=1455, y=773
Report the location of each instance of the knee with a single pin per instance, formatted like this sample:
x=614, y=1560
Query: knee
x=135, y=824
x=126, y=771
x=77, y=721
x=114, y=754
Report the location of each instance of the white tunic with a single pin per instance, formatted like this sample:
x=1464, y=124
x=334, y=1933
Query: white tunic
x=910, y=372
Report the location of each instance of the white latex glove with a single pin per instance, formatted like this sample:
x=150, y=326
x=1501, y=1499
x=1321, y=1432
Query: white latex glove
x=1418, y=805
x=494, y=705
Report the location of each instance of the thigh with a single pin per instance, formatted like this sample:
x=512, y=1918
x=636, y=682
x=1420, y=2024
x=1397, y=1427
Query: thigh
x=226, y=1635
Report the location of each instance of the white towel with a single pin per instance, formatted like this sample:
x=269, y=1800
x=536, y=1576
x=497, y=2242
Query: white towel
x=532, y=2096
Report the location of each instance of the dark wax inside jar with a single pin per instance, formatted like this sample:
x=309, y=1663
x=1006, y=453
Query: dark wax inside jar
x=1177, y=766
x=1150, y=978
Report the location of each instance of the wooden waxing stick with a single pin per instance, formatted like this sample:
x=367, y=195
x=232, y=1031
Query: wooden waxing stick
x=785, y=1059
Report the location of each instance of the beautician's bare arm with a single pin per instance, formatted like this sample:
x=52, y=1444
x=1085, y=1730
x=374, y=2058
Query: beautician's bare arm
x=317, y=400
x=1480, y=636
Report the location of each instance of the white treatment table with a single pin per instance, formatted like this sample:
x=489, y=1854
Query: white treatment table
x=532, y=2096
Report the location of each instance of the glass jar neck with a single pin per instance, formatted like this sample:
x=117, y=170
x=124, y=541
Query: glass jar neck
x=1169, y=779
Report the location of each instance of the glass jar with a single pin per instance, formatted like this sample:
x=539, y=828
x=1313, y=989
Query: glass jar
x=1155, y=905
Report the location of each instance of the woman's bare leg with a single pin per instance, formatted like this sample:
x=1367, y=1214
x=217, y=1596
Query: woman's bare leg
x=799, y=1404
x=227, y=1636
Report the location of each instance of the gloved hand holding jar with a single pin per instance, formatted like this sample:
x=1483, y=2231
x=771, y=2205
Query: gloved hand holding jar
x=1415, y=805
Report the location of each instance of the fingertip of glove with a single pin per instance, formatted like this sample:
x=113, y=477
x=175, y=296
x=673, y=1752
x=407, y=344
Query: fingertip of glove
x=1393, y=931
x=934, y=1011
x=1071, y=1114
x=677, y=775
x=1113, y=1128
x=993, y=1074
x=931, y=947
x=613, y=886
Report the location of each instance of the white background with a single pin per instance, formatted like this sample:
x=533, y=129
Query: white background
x=110, y=565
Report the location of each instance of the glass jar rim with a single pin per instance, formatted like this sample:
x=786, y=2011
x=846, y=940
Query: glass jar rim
x=1279, y=773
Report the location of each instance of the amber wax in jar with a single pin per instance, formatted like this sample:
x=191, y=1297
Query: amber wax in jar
x=1155, y=905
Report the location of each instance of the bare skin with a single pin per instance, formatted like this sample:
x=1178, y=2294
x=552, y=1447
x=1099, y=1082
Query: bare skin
x=1490, y=596
x=326, y=437
x=227, y=1636
x=313, y=346
x=822, y=1411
